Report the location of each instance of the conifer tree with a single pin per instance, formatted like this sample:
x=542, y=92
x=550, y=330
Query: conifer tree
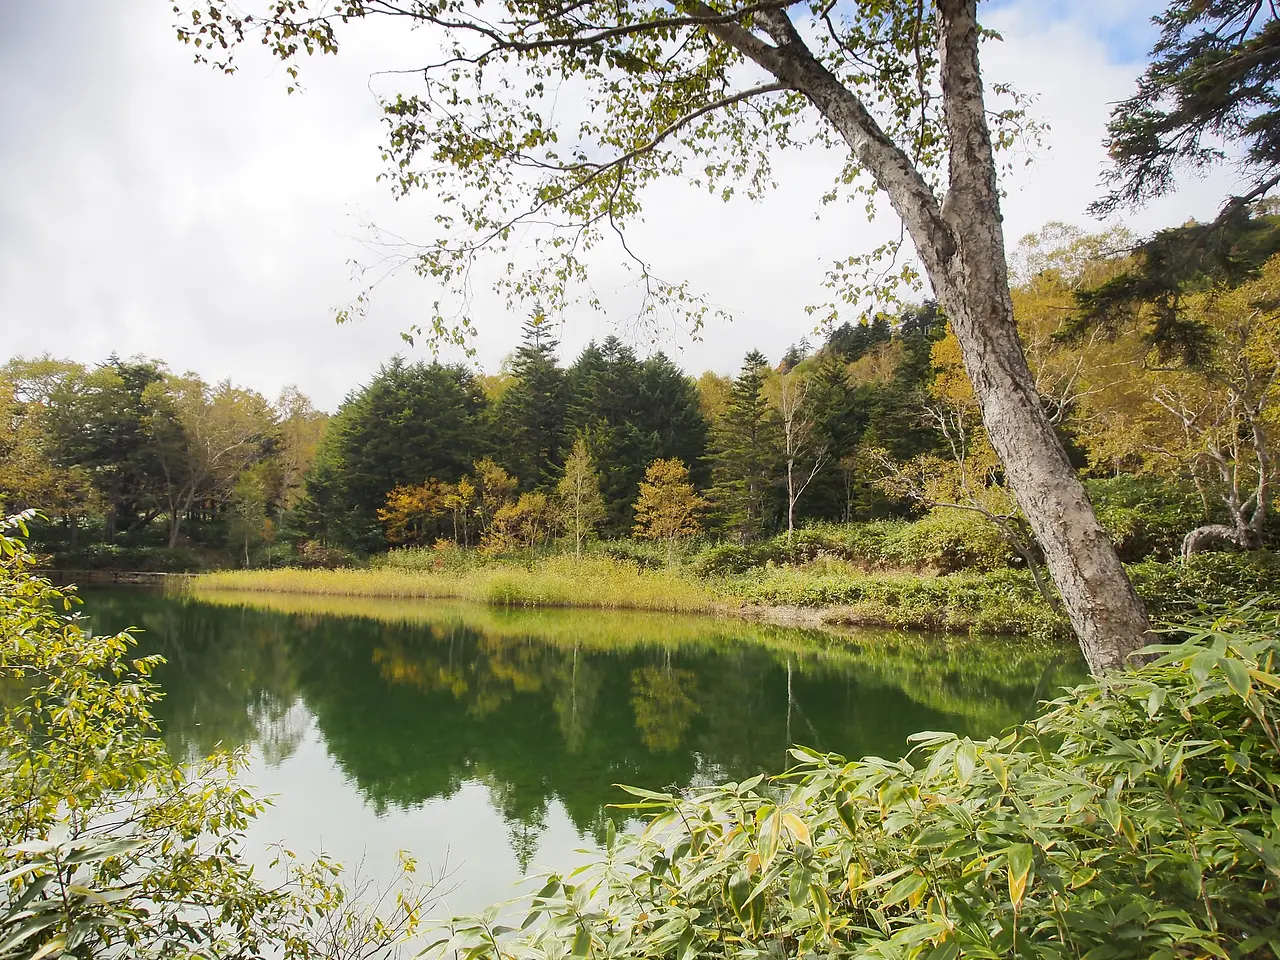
x=631, y=413
x=746, y=456
x=530, y=417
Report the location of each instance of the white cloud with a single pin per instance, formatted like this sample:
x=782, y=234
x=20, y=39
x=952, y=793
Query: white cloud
x=151, y=206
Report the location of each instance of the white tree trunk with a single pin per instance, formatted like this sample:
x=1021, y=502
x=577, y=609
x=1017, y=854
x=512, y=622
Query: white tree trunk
x=961, y=245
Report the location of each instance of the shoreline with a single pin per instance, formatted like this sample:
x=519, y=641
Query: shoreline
x=892, y=600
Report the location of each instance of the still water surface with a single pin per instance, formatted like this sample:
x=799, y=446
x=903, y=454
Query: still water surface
x=488, y=741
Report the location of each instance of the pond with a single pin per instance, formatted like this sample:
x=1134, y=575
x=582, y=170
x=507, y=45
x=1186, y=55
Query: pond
x=487, y=742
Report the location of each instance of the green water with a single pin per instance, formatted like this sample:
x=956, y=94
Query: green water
x=487, y=742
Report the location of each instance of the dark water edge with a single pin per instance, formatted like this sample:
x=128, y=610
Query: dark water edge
x=491, y=739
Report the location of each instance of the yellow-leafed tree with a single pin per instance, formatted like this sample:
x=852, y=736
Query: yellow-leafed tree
x=668, y=505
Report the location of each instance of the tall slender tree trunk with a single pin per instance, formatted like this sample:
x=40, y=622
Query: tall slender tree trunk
x=971, y=278
x=791, y=500
x=960, y=242
x=175, y=525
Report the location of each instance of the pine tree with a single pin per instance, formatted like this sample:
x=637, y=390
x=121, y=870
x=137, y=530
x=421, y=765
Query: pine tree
x=746, y=445
x=631, y=413
x=412, y=421
x=530, y=417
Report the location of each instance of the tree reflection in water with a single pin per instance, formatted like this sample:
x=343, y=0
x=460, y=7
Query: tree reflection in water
x=413, y=700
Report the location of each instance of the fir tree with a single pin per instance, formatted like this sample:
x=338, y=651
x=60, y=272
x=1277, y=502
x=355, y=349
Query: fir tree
x=631, y=413
x=530, y=417
x=746, y=445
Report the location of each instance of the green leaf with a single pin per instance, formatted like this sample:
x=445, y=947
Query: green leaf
x=1155, y=700
x=966, y=761
x=1237, y=674
x=997, y=768
x=739, y=890
x=905, y=889
x=1019, y=857
x=844, y=809
x=821, y=905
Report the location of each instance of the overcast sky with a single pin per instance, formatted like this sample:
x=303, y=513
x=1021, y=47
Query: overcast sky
x=151, y=206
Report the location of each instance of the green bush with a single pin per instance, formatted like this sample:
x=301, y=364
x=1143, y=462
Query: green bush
x=1152, y=829
x=109, y=556
x=947, y=540
x=725, y=559
x=1177, y=590
x=1146, y=516
x=1003, y=601
x=647, y=554
x=448, y=557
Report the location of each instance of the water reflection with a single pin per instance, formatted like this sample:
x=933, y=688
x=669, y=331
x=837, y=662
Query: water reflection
x=415, y=703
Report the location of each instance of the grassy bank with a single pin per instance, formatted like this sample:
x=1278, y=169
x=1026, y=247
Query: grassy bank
x=561, y=581
x=1000, y=601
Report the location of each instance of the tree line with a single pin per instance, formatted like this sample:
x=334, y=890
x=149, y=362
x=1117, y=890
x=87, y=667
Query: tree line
x=127, y=453
x=429, y=450
x=1152, y=366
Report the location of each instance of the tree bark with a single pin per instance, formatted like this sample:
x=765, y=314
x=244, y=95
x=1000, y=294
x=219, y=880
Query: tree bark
x=973, y=286
x=791, y=500
x=961, y=246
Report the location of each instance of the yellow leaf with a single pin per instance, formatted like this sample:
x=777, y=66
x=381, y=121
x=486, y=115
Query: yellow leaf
x=797, y=827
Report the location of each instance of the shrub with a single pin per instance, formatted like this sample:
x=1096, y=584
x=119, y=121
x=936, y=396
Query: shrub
x=1177, y=590
x=947, y=539
x=1150, y=831
x=1004, y=601
x=644, y=553
x=110, y=556
x=1146, y=516
x=313, y=554
x=725, y=559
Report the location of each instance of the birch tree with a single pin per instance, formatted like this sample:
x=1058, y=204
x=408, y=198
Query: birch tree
x=221, y=434
x=804, y=454
x=711, y=92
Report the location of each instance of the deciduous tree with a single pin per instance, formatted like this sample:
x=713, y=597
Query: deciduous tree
x=581, y=505
x=718, y=89
x=212, y=435
x=523, y=525
x=410, y=512
x=804, y=448
x=668, y=505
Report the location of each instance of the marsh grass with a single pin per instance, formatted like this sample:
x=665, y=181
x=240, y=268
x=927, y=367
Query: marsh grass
x=561, y=581
x=826, y=589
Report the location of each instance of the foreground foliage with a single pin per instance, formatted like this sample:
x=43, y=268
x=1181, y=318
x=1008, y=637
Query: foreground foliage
x=113, y=850
x=1135, y=817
